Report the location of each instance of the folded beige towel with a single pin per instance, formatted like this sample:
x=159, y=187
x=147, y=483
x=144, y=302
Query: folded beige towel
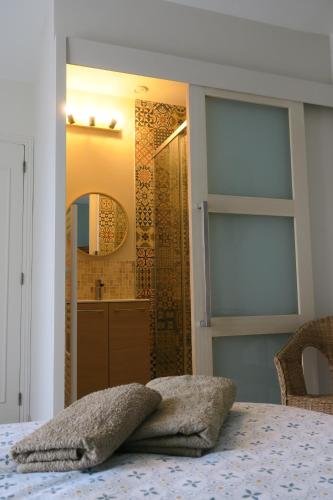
x=87, y=432
x=189, y=418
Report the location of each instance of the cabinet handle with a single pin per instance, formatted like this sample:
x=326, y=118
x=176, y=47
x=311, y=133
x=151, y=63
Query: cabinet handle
x=130, y=309
x=90, y=310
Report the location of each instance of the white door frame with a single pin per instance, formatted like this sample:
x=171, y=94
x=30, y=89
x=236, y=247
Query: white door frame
x=27, y=143
x=147, y=63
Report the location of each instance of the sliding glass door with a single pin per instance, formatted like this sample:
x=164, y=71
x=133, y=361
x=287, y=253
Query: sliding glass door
x=251, y=258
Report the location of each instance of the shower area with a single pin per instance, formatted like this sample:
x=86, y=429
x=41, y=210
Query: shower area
x=162, y=266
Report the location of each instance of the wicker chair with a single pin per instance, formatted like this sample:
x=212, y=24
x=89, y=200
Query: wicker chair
x=288, y=361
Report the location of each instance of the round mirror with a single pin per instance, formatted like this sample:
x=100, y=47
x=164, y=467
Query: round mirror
x=102, y=224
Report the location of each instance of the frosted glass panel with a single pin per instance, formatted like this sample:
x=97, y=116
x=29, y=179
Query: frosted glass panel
x=248, y=149
x=249, y=361
x=253, y=265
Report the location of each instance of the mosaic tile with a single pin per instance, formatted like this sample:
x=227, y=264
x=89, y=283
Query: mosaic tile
x=145, y=236
x=144, y=176
x=118, y=277
x=145, y=258
x=162, y=256
x=145, y=215
x=145, y=197
x=113, y=225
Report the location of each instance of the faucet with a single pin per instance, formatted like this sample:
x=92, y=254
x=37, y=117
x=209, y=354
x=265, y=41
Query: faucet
x=99, y=289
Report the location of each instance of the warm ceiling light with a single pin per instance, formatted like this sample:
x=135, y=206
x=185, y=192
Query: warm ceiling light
x=141, y=89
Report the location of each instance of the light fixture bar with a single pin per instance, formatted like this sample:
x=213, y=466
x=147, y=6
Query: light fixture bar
x=112, y=126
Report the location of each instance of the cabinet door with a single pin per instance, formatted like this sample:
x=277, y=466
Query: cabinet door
x=92, y=348
x=129, y=343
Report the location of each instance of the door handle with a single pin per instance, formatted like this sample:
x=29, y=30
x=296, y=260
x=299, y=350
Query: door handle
x=206, y=322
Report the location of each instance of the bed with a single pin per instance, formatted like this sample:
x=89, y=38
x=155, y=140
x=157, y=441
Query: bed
x=264, y=452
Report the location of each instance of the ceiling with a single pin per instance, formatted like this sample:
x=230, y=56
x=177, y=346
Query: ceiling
x=123, y=85
x=314, y=16
x=21, y=25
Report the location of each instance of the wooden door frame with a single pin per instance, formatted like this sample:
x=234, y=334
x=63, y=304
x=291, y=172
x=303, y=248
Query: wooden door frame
x=27, y=247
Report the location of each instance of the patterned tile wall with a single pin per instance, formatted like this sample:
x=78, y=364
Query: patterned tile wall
x=113, y=225
x=154, y=122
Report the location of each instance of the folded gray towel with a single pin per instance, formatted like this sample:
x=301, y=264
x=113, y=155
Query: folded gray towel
x=87, y=432
x=189, y=418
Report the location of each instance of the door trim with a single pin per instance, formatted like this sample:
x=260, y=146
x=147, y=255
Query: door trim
x=202, y=352
x=26, y=301
x=194, y=71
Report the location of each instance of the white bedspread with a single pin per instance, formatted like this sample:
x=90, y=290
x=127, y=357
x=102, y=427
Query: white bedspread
x=265, y=452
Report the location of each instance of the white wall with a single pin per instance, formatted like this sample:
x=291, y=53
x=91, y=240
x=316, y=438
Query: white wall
x=16, y=108
x=319, y=135
x=43, y=307
x=17, y=116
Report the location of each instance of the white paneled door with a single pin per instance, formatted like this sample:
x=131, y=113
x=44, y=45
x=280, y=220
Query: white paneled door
x=11, y=225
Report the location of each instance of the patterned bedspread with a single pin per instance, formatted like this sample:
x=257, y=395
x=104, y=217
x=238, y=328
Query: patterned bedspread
x=265, y=452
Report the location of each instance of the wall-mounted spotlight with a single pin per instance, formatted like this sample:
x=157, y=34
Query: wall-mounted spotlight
x=113, y=123
x=70, y=119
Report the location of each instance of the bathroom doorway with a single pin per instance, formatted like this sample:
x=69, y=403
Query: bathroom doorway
x=128, y=311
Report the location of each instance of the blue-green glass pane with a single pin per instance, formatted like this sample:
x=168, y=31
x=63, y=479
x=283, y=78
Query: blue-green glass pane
x=248, y=149
x=249, y=361
x=253, y=265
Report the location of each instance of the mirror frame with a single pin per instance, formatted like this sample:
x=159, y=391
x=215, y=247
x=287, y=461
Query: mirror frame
x=127, y=220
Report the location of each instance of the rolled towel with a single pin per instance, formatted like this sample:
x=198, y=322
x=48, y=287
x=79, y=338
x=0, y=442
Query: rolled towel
x=87, y=432
x=189, y=418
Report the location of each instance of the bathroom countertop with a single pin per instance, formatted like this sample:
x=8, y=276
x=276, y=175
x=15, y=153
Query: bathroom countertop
x=86, y=301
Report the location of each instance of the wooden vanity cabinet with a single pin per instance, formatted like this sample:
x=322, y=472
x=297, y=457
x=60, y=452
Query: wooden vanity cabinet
x=92, y=347
x=113, y=344
x=129, y=343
